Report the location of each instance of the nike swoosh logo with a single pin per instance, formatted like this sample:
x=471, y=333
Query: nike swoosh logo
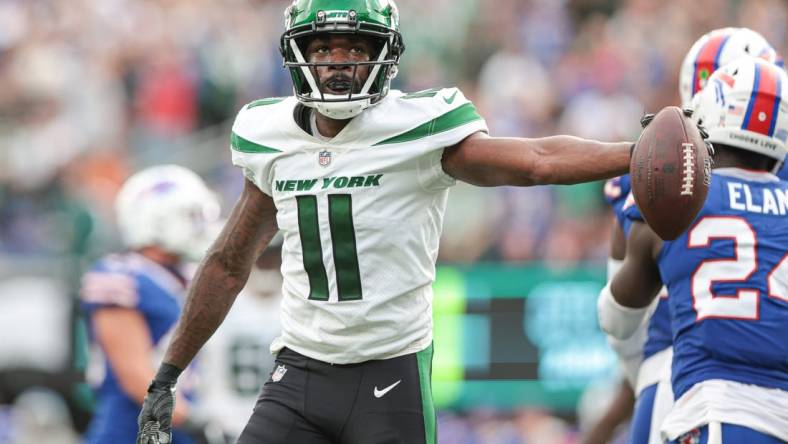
x=449, y=100
x=380, y=393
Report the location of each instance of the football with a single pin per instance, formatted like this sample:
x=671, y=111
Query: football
x=670, y=170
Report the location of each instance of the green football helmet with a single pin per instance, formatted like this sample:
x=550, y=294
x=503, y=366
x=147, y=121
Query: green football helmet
x=376, y=19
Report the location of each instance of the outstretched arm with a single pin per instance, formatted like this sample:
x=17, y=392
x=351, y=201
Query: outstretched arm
x=624, y=303
x=492, y=161
x=223, y=273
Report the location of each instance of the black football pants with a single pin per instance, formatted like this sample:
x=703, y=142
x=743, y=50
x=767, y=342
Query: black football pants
x=307, y=401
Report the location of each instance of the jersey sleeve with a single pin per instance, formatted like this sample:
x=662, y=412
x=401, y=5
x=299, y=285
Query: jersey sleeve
x=783, y=172
x=616, y=190
x=629, y=214
x=250, y=152
x=104, y=286
x=617, y=194
x=440, y=118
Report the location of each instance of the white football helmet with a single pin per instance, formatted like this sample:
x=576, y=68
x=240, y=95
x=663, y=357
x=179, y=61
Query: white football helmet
x=167, y=206
x=745, y=105
x=716, y=49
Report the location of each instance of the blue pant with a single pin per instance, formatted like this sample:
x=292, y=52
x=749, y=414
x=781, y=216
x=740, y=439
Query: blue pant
x=641, y=418
x=731, y=434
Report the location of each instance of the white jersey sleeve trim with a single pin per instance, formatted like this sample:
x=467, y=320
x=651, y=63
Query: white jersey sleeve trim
x=432, y=177
x=256, y=139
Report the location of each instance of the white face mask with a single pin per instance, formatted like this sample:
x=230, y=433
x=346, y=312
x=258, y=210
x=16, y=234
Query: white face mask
x=339, y=107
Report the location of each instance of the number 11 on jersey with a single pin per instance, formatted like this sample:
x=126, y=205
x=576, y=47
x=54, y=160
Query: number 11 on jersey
x=343, y=242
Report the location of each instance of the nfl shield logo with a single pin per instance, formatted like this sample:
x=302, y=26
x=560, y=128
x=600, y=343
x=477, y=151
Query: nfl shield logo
x=278, y=373
x=324, y=158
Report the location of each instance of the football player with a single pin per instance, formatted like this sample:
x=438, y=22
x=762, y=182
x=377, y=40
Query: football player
x=727, y=276
x=646, y=356
x=132, y=299
x=356, y=177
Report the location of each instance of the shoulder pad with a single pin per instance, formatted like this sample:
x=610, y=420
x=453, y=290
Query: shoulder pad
x=408, y=117
x=110, y=282
x=256, y=128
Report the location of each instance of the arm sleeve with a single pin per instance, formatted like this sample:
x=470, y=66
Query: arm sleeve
x=617, y=320
x=445, y=131
x=103, y=288
x=251, y=154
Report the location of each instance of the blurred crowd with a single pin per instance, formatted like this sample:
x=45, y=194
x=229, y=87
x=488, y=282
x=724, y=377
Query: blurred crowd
x=93, y=90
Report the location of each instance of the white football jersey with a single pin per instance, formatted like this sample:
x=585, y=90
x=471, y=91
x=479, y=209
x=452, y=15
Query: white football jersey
x=361, y=216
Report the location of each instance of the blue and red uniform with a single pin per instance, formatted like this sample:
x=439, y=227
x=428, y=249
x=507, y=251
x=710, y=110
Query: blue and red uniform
x=134, y=282
x=783, y=173
x=727, y=277
x=653, y=401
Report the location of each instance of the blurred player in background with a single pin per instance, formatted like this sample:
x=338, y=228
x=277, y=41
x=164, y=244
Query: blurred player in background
x=646, y=356
x=356, y=176
x=236, y=361
x=132, y=299
x=608, y=424
x=727, y=276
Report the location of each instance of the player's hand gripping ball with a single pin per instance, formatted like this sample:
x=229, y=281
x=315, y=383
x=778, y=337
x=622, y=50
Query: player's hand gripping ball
x=670, y=170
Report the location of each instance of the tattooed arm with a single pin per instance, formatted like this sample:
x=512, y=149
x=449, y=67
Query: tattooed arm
x=223, y=273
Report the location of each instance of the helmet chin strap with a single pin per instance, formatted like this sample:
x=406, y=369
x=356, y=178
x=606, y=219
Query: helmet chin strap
x=340, y=110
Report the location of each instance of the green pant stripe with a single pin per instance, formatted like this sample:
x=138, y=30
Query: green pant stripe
x=424, y=359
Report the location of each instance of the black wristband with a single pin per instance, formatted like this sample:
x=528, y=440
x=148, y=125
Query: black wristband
x=167, y=374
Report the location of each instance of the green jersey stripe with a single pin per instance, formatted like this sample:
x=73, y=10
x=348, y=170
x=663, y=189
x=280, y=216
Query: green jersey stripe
x=343, y=238
x=238, y=143
x=455, y=118
x=421, y=94
x=311, y=249
x=265, y=102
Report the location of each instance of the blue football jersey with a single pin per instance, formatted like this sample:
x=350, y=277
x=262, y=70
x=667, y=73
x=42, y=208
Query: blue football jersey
x=659, y=336
x=783, y=173
x=616, y=192
x=129, y=281
x=727, y=277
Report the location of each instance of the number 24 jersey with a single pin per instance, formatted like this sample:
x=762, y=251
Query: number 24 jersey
x=727, y=277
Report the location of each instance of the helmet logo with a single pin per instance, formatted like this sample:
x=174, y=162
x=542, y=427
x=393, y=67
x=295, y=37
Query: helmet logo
x=703, y=75
x=335, y=16
x=324, y=158
x=163, y=187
